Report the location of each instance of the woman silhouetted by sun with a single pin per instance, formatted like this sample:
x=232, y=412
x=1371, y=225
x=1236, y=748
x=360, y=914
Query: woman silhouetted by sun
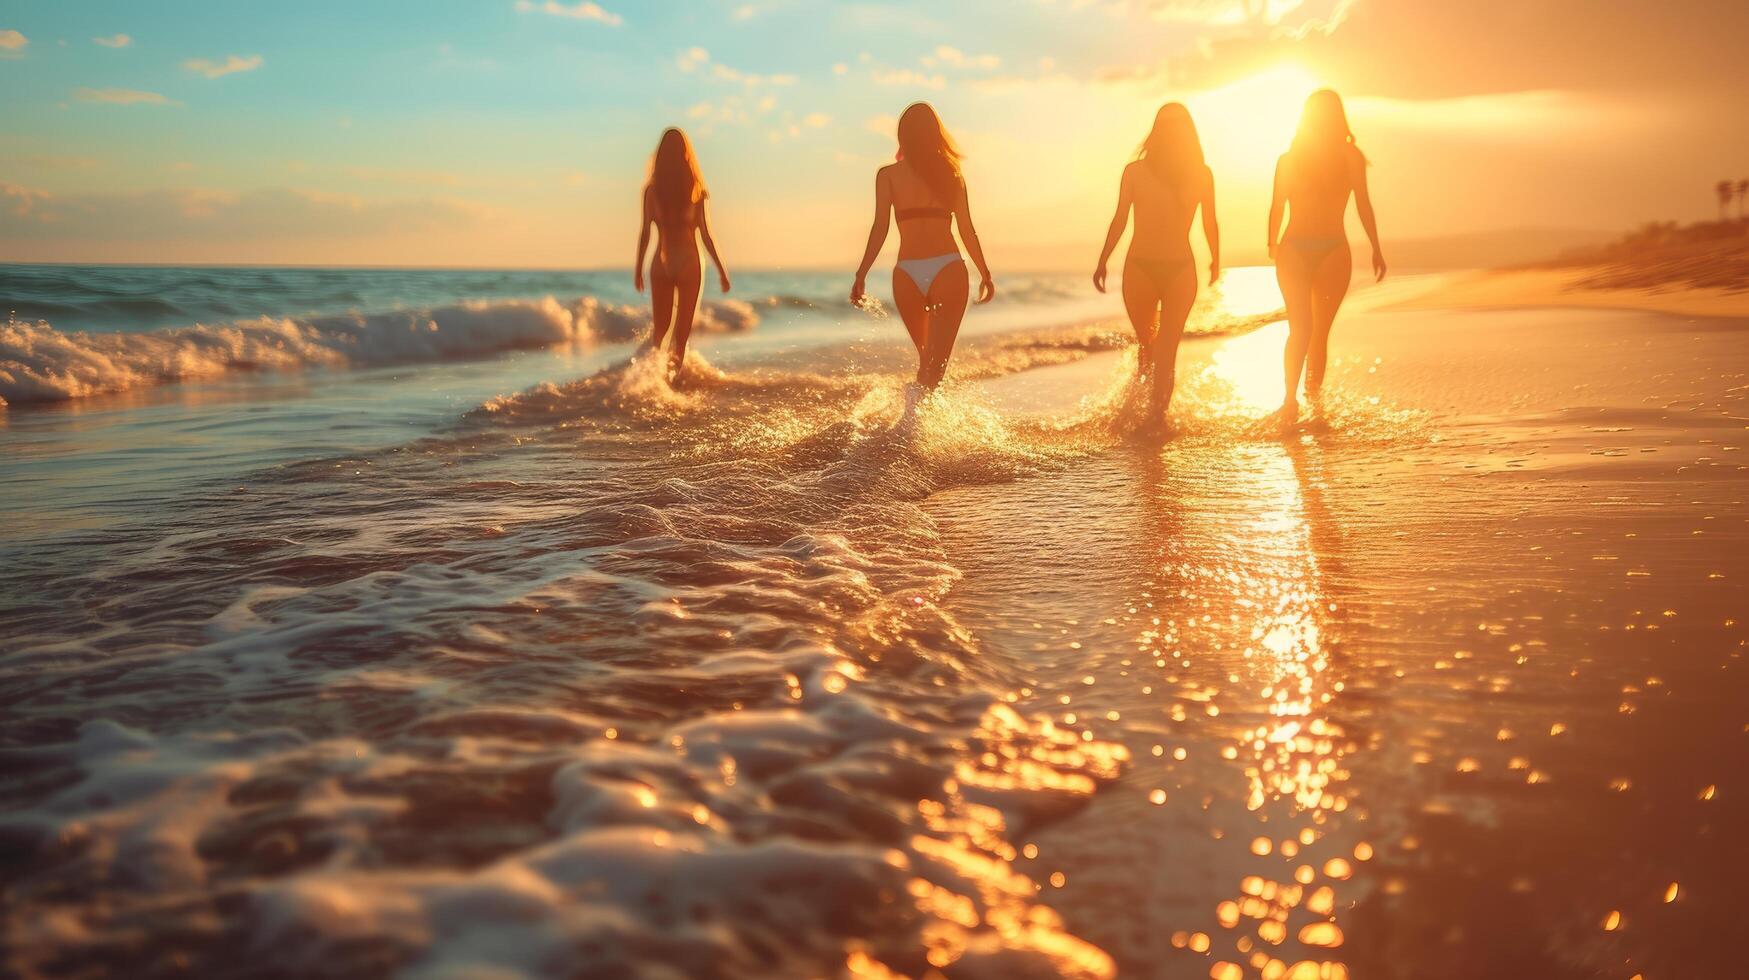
x=674, y=201
x=1166, y=185
x=925, y=192
x=1314, y=179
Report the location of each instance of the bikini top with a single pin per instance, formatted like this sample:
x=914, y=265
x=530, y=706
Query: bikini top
x=907, y=214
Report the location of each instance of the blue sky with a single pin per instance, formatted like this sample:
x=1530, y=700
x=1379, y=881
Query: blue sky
x=503, y=133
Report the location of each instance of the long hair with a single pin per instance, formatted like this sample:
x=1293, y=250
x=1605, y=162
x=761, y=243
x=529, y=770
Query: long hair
x=924, y=143
x=1172, y=150
x=674, y=176
x=1323, y=138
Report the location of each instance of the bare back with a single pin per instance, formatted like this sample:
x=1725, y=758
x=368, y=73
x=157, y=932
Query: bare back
x=676, y=235
x=1164, y=210
x=1317, y=202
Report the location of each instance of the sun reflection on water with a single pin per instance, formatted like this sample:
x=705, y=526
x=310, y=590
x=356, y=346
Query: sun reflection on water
x=1276, y=625
x=1248, y=370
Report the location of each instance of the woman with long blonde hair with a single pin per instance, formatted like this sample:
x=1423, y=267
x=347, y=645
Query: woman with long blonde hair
x=1166, y=185
x=1314, y=180
x=674, y=202
x=926, y=194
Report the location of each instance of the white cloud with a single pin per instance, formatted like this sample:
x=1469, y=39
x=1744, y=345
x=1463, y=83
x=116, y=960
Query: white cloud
x=12, y=41
x=218, y=69
x=19, y=202
x=120, y=96
x=733, y=109
x=748, y=11
x=114, y=41
x=908, y=77
x=1291, y=17
x=206, y=215
x=579, y=11
x=882, y=125
x=692, y=59
x=816, y=119
x=955, y=58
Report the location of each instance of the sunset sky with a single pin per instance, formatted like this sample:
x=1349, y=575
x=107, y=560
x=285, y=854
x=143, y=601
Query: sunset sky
x=498, y=132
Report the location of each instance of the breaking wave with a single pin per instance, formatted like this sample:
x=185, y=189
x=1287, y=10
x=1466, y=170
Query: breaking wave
x=39, y=363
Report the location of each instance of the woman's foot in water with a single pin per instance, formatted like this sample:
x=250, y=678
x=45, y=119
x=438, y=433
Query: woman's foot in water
x=1157, y=429
x=914, y=395
x=1286, y=418
x=1319, y=419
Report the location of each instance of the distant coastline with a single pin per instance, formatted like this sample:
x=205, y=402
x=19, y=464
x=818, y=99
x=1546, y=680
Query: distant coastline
x=1689, y=270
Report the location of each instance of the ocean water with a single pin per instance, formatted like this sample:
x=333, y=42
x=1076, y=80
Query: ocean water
x=478, y=658
x=410, y=611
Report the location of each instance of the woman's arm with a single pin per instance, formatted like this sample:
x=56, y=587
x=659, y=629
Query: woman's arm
x=710, y=245
x=1211, y=227
x=877, y=233
x=1369, y=221
x=1277, y=202
x=969, y=235
x=1118, y=221
x=643, y=240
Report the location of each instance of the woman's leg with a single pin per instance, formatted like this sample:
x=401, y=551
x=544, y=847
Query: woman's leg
x=1296, y=296
x=661, y=302
x=948, y=294
x=1141, y=300
x=1329, y=286
x=913, y=310
x=687, y=283
x=1175, y=303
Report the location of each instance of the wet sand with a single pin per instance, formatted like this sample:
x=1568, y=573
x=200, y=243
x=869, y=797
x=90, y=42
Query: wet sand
x=1453, y=689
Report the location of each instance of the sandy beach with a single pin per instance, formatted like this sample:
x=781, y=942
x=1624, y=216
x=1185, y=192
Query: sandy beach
x=1508, y=289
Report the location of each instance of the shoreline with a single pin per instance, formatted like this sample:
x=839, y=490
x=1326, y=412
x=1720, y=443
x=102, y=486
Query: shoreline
x=1508, y=289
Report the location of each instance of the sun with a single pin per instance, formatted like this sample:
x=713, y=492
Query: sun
x=1245, y=125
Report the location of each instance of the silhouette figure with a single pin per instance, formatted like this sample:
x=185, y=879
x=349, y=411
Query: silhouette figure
x=1725, y=190
x=674, y=202
x=1165, y=185
x=925, y=192
x=1314, y=180
x=1743, y=199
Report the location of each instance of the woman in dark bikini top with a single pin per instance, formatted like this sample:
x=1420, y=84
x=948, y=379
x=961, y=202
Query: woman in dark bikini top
x=925, y=193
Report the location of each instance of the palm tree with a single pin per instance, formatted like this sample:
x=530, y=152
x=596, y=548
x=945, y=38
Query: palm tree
x=1742, y=198
x=1726, y=191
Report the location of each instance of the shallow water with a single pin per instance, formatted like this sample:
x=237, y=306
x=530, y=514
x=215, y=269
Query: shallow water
x=777, y=674
x=1458, y=695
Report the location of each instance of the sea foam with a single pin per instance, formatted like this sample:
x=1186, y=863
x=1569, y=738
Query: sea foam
x=39, y=363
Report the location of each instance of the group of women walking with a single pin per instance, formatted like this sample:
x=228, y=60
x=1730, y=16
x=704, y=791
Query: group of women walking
x=1168, y=183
